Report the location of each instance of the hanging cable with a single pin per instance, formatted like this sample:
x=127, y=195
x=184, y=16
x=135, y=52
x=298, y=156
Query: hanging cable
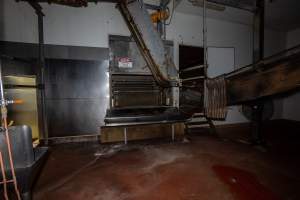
x=173, y=10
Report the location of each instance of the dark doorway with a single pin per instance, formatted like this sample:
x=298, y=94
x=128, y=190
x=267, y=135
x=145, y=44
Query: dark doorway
x=190, y=56
x=191, y=71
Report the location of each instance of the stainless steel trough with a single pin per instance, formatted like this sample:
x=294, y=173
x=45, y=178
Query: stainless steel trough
x=28, y=161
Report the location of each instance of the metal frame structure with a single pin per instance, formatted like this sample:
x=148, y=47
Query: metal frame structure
x=43, y=123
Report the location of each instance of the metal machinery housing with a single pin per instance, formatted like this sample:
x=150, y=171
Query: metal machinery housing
x=135, y=95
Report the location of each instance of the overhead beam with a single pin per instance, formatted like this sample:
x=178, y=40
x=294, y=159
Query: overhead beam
x=81, y=4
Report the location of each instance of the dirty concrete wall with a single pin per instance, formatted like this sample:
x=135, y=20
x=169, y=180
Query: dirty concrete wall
x=275, y=42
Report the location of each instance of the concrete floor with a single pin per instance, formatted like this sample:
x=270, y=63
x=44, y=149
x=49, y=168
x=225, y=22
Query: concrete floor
x=175, y=171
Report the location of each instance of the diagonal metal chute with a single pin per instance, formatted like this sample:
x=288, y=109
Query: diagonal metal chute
x=149, y=42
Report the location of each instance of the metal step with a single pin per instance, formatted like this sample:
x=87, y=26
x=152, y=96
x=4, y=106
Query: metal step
x=196, y=123
x=198, y=126
x=199, y=121
x=198, y=115
x=193, y=78
x=193, y=68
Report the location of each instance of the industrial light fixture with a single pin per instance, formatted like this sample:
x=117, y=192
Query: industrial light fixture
x=212, y=6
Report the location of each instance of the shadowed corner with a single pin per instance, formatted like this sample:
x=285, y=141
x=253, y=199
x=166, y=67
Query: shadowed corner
x=1, y=22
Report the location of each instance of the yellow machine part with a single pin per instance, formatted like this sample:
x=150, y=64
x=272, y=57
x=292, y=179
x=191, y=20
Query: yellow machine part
x=159, y=16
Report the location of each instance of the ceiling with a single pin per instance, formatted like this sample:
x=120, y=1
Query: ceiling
x=229, y=14
x=242, y=4
x=281, y=15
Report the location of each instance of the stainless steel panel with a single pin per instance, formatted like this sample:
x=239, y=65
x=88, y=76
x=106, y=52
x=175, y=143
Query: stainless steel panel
x=69, y=79
x=73, y=117
x=77, y=96
x=27, y=160
x=21, y=144
x=82, y=79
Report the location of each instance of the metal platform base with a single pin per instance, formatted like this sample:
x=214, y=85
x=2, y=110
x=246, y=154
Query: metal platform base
x=132, y=116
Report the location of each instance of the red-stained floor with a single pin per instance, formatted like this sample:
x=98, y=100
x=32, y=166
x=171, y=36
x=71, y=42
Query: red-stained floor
x=175, y=171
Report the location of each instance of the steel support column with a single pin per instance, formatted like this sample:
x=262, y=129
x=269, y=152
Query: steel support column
x=41, y=80
x=42, y=114
x=258, y=31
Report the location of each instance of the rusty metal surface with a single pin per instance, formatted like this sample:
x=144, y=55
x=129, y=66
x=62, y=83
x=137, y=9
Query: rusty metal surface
x=215, y=98
x=268, y=62
x=275, y=75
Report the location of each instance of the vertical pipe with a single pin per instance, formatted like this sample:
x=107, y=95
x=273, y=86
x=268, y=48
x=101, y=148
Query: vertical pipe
x=258, y=30
x=204, y=38
x=261, y=29
x=41, y=63
x=1, y=85
x=160, y=27
x=258, y=54
x=41, y=38
x=205, y=88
